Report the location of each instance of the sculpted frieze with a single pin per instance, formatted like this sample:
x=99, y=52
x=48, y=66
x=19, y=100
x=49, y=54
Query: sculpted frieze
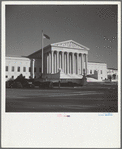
x=70, y=45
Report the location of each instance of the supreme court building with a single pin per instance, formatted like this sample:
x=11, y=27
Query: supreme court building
x=62, y=60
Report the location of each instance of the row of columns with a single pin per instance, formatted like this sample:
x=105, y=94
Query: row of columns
x=70, y=63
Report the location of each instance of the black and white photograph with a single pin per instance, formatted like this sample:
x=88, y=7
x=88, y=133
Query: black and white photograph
x=62, y=59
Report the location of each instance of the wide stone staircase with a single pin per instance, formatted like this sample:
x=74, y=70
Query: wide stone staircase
x=70, y=76
x=92, y=80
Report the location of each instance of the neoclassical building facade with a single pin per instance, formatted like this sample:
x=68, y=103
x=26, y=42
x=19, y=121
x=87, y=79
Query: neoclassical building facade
x=62, y=60
x=68, y=57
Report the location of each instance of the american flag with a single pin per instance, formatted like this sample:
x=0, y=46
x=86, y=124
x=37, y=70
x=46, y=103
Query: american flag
x=46, y=36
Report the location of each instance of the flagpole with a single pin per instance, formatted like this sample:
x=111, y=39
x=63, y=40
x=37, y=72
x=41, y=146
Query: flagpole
x=42, y=51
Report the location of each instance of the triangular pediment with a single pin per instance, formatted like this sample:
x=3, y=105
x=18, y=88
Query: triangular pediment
x=69, y=44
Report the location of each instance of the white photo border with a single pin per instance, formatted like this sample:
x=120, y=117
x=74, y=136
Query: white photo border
x=12, y=123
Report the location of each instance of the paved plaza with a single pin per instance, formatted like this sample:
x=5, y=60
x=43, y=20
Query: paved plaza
x=90, y=98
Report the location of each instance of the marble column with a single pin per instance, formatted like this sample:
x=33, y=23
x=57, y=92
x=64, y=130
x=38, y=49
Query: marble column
x=52, y=61
x=77, y=63
x=32, y=70
x=86, y=62
x=67, y=63
x=47, y=63
x=75, y=66
x=55, y=63
x=72, y=63
x=63, y=61
x=60, y=60
x=57, y=53
x=82, y=63
x=84, y=69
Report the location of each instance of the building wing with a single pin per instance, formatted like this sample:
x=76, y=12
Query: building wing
x=37, y=54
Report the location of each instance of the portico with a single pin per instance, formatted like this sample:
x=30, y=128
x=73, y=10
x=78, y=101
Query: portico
x=68, y=57
x=68, y=62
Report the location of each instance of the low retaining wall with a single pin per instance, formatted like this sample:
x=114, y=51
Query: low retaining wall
x=51, y=76
x=57, y=77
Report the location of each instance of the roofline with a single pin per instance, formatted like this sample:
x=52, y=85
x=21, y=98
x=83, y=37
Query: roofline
x=14, y=56
x=96, y=62
x=10, y=57
x=39, y=50
x=113, y=68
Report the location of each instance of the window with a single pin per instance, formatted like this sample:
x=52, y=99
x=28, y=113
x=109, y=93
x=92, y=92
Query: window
x=34, y=69
x=6, y=68
x=12, y=77
x=12, y=68
x=40, y=69
x=6, y=76
x=18, y=69
x=90, y=71
x=29, y=69
x=24, y=69
x=101, y=71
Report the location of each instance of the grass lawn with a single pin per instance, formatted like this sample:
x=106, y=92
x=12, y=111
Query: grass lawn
x=93, y=97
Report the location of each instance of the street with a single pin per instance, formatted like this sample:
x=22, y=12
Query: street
x=89, y=98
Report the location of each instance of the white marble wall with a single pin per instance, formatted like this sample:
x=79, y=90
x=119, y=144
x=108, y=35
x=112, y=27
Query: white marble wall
x=100, y=68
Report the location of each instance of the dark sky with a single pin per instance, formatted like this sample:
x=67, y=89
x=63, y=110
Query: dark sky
x=94, y=26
